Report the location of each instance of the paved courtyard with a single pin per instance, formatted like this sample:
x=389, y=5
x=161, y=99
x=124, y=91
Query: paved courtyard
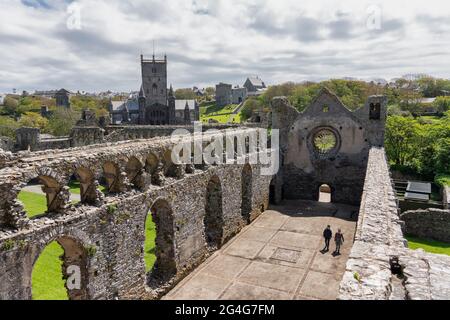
x=278, y=256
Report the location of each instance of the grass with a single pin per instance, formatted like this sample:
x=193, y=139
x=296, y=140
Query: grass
x=429, y=245
x=442, y=179
x=74, y=187
x=149, y=245
x=47, y=278
x=34, y=203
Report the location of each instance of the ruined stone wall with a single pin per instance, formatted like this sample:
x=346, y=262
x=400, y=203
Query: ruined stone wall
x=428, y=224
x=305, y=166
x=108, y=231
x=380, y=266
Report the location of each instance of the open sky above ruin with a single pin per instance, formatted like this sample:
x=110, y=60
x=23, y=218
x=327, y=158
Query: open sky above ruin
x=208, y=41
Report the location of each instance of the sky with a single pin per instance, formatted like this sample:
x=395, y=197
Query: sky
x=95, y=45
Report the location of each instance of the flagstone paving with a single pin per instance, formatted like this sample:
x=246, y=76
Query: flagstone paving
x=277, y=257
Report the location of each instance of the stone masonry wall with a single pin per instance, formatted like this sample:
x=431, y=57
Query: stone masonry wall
x=380, y=267
x=428, y=224
x=108, y=234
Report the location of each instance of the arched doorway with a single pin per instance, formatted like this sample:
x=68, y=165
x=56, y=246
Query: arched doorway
x=213, y=220
x=60, y=272
x=165, y=266
x=246, y=192
x=325, y=193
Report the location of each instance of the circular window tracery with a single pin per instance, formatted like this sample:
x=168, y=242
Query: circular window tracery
x=324, y=141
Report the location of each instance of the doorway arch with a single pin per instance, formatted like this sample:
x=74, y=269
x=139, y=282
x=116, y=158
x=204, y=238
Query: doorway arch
x=246, y=192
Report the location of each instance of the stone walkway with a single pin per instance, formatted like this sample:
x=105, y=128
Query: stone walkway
x=276, y=257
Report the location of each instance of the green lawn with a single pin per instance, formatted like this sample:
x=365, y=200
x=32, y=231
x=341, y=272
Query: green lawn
x=34, y=203
x=74, y=187
x=429, y=245
x=47, y=281
x=149, y=245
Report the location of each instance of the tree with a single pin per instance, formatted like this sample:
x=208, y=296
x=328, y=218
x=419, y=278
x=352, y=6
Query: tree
x=62, y=121
x=442, y=104
x=402, y=137
x=33, y=120
x=10, y=105
x=251, y=105
x=187, y=94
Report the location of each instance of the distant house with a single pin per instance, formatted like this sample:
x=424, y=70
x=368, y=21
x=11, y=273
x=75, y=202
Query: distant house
x=62, y=97
x=254, y=85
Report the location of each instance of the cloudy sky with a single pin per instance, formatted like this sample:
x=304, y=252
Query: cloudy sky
x=94, y=45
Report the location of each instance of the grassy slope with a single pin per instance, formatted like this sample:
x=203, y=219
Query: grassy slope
x=429, y=245
x=47, y=281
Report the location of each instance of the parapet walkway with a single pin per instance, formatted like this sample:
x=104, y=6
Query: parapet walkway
x=276, y=257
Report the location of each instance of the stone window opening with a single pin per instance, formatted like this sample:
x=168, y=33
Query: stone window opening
x=72, y=262
x=246, y=192
x=40, y=196
x=155, y=89
x=134, y=170
x=154, y=168
x=164, y=267
x=325, y=193
x=375, y=111
x=325, y=142
x=111, y=175
x=325, y=109
x=213, y=220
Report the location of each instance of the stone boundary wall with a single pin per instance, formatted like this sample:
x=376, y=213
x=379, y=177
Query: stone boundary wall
x=108, y=232
x=429, y=223
x=379, y=244
x=446, y=197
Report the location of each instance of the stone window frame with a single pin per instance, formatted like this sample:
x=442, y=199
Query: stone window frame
x=313, y=150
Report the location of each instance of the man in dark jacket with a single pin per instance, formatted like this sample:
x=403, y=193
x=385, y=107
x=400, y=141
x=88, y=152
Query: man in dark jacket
x=327, y=234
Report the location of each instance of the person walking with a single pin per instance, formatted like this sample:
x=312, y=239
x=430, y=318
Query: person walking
x=327, y=234
x=339, y=240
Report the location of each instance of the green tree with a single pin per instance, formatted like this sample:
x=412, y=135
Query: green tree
x=187, y=94
x=402, y=137
x=33, y=120
x=62, y=121
x=442, y=104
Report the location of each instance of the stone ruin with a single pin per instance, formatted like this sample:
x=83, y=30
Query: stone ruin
x=198, y=208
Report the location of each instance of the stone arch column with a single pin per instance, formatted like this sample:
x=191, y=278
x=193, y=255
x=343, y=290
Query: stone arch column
x=89, y=192
x=135, y=173
x=155, y=169
x=115, y=181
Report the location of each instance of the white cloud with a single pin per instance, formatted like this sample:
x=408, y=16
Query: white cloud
x=208, y=41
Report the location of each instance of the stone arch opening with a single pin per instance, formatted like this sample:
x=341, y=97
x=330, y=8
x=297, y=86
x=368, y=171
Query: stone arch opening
x=170, y=168
x=111, y=174
x=375, y=111
x=61, y=265
x=134, y=170
x=84, y=185
x=165, y=266
x=272, y=191
x=325, y=193
x=213, y=220
x=246, y=192
x=151, y=167
x=41, y=195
